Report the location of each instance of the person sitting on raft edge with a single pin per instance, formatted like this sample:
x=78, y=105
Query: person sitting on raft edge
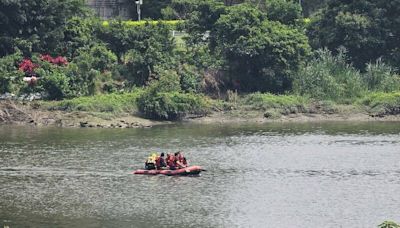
x=183, y=160
x=180, y=160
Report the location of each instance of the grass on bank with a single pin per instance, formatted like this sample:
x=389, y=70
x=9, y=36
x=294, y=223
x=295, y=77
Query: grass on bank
x=274, y=106
x=112, y=103
x=265, y=101
x=381, y=103
x=174, y=105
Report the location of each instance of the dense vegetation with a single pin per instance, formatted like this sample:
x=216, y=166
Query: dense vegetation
x=346, y=52
x=388, y=224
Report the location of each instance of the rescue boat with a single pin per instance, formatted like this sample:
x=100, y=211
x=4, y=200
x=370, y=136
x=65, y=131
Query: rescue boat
x=188, y=171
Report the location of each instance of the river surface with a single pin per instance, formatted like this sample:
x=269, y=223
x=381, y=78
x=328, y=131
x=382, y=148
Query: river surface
x=270, y=175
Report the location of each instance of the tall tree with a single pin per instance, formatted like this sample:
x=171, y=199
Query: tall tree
x=140, y=48
x=309, y=7
x=368, y=29
x=35, y=25
x=204, y=14
x=261, y=55
x=284, y=11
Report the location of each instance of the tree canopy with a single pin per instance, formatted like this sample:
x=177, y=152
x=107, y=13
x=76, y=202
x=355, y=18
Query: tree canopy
x=367, y=29
x=35, y=26
x=239, y=45
x=260, y=54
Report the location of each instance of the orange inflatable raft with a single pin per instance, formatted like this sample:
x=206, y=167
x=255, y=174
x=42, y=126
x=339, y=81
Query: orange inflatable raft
x=188, y=171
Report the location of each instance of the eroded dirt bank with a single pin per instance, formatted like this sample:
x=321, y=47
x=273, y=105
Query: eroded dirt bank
x=30, y=114
x=17, y=113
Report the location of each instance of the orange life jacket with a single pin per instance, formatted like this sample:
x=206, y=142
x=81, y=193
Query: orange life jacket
x=160, y=162
x=171, y=161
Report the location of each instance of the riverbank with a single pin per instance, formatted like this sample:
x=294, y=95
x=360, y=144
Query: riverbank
x=39, y=114
x=32, y=113
x=257, y=117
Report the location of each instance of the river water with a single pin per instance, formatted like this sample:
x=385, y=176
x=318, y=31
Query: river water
x=270, y=175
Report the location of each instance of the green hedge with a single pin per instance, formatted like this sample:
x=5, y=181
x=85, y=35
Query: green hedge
x=172, y=105
x=144, y=22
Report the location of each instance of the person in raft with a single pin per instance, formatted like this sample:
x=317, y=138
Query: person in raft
x=171, y=162
x=160, y=162
x=180, y=160
x=150, y=163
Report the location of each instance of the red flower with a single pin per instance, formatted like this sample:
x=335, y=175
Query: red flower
x=27, y=66
x=46, y=58
x=61, y=61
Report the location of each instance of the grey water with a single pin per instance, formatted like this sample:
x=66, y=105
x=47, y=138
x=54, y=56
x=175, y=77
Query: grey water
x=336, y=174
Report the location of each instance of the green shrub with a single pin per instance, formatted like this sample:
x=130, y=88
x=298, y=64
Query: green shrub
x=260, y=101
x=79, y=32
x=286, y=12
x=101, y=58
x=106, y=84
x=163, y=99
x=272, y=114
x=172, y=105
x=382, y=103
x=381, y=77
x=56, y=84
x=329, y=77
x=190, y=78
x=388, y=224
x=10, y=76
x=88, y=68
x=140, y=48
x=391, y=84
x=168, y=81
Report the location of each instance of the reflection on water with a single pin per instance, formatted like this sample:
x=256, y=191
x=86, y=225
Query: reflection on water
x=274, y=175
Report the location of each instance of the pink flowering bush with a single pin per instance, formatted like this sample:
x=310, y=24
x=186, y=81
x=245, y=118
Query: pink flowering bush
x=46, y=58
x=59, y=60
x=28, y=67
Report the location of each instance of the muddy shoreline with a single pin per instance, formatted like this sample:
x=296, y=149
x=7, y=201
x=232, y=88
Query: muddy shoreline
x=29, y=114
x=12, y=113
